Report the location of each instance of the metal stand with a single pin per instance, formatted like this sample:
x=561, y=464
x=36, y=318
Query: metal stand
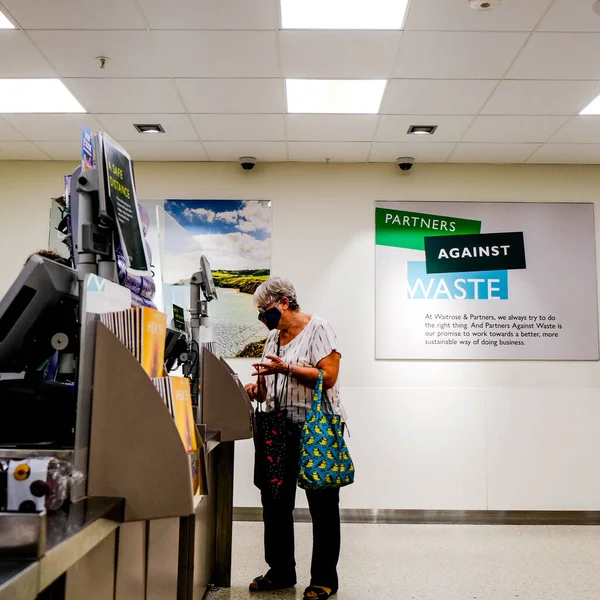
x=201, y=333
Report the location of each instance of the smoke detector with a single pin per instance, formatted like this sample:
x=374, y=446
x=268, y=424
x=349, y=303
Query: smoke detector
x=484, y=4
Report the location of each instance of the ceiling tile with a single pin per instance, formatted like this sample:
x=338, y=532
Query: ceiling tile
x=338, y=54
x=61, y=150
x=167, y=151
x=540, y=97
x=393, y=128
x=559, y=56
x=492, y=153
x=8, y=133
x=76, y=14
x=20, y=151
x=564, y=154
x=569, y=15
x=50, y=127
x=448, y=15
x=579, y=130
x=332, y=151
x=457, y=55
x=232, y=95
x=436, y=96
x=220, y=53
x=210, y=14
x=232, y=151
x=121, y=127
x=126, y=95
x=73, y=53
x=20, y=58
x=330, y=128
x=239, y=128
x=513, y=129
x=389, y=152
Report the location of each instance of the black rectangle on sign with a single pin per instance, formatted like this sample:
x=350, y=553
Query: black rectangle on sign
x=475, y=252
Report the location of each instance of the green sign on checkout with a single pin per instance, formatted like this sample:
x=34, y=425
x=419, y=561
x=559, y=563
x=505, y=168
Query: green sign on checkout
x=403, y=229
x=178, y=318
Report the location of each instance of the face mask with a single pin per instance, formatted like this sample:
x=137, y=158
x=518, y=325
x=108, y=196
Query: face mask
x=270, y=318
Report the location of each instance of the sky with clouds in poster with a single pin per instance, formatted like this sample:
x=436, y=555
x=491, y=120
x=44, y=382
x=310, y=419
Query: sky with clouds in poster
x=233, y=234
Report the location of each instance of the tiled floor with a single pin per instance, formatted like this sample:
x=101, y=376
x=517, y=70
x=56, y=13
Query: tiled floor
x=439, y=562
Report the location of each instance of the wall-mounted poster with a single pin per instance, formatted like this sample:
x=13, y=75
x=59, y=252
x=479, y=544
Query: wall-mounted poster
x=235, y=237
x=512, y=281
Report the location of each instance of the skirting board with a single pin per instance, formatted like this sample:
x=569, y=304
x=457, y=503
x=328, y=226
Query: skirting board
x=453, y=517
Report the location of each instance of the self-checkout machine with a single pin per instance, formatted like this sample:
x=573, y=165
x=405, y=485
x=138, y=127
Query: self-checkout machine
x=102, y=413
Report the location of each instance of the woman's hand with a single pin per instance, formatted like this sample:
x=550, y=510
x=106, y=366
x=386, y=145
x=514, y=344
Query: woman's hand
x=276, y=365
x=252, y=390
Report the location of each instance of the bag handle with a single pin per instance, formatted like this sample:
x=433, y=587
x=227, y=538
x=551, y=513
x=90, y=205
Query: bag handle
x=319, y=397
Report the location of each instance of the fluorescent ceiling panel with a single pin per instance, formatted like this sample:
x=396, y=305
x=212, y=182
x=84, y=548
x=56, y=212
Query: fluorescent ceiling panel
x=37, y=96
x=5, y=23
x=593, y=108
x=343, y=14
x=349, y=96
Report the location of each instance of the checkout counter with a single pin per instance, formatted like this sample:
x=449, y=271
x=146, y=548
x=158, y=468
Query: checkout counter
x=150, y=522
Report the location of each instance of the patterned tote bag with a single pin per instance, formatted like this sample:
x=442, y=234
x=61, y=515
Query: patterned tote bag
x=324, y=458
x=270, y=442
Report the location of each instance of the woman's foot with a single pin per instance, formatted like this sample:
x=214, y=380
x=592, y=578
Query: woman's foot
x=264, y=584
x=318, y=592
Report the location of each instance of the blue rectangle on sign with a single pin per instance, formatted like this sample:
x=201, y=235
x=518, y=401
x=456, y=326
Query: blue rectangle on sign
x=474, y=285
x=87, y=149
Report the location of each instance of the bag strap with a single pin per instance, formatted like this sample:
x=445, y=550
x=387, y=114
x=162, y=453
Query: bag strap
x=284, y=388
x=321, y=397
x=276, y=397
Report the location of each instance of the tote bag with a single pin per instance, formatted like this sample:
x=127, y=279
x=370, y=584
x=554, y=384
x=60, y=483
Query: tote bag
x=270, y=442
x=324, y=458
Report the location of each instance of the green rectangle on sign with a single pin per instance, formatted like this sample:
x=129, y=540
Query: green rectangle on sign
x=403, y=229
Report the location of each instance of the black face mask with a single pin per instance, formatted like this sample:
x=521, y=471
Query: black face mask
x=270, y=318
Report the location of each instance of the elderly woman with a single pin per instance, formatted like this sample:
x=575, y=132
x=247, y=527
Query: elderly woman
x=298, y=346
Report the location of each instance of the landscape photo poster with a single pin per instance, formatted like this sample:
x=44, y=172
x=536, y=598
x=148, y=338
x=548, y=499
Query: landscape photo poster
x=235, y=237
x=471, y=280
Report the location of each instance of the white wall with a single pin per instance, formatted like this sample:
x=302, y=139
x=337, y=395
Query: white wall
x=437, y=435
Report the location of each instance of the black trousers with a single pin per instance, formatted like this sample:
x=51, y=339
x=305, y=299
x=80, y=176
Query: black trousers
x=279, y=526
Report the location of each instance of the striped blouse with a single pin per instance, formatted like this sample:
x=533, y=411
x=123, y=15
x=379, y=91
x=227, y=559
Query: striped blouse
x=316, y=341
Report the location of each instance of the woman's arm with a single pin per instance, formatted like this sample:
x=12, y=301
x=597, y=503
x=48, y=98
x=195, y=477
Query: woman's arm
x=330, y=365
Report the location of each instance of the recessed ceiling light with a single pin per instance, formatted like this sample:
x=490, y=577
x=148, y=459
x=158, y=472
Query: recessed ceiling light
x=593, y=108
x=5, y=23
x=37, y=96
x=150, y=128
x=421, y=129
x=343, y=14
x=347, y=96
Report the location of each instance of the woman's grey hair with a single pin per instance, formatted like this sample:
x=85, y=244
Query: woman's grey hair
x=274, y=289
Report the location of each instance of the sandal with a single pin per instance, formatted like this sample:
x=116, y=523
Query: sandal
x=262, y=584
x=316, y=592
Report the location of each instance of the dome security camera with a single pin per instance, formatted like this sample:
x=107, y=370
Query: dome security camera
x=405, y=163
x=484, y=4
x=248, y=162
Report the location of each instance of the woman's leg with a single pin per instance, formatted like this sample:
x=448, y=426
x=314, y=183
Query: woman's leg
x=278, y=519
x=325, y=512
